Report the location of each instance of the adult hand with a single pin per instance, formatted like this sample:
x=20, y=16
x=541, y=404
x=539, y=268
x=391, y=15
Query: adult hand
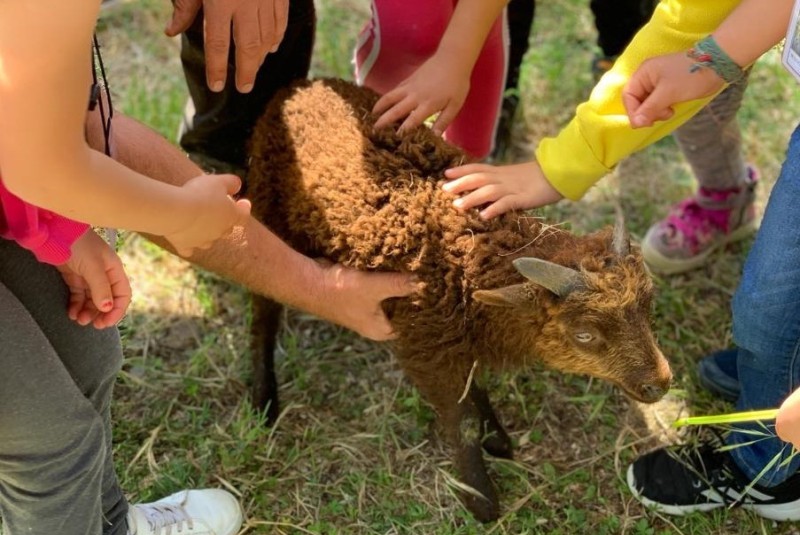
x=99, y=290
x=353, y=298
x=661, y=82
x=438, y=86
x=503, y=188
x=787, y=424
x=258, y=29
x=214, y=212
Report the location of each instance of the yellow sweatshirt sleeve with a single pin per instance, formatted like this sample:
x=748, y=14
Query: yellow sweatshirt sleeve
x=600, y=136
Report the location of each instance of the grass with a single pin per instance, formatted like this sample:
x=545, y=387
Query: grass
x=354, y=451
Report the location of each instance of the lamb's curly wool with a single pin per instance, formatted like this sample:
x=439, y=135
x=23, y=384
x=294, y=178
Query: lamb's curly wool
x=372, y=200
x=330, y=184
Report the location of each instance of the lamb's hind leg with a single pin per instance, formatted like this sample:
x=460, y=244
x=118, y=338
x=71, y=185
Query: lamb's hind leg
x=495, y=440
x=462, y=430
x=265, y=322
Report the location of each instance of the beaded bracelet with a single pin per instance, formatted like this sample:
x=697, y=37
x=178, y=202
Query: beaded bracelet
x=707, y=53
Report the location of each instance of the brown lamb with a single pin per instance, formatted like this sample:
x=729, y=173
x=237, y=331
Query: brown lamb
x=497, y=294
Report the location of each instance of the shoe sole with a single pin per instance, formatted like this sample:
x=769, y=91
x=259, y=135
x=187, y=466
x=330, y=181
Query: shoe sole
x=658, y=263
x=781, y=512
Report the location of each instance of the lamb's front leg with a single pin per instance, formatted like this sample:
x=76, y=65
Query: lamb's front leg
x=494, y=438
x=461, y=423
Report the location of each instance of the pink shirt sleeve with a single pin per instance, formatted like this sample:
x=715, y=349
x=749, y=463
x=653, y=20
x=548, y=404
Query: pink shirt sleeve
x=49, y=236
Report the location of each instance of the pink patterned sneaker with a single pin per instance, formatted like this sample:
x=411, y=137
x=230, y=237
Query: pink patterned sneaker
x=697, y=226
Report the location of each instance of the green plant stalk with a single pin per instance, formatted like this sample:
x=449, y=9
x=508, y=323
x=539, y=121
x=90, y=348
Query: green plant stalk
x=732, y=418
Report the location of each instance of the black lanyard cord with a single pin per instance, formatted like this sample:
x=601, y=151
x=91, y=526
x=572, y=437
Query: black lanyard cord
x=94, y=95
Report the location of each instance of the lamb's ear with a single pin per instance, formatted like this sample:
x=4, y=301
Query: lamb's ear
x=621, y=240
x=508, y=296
x=558, y=279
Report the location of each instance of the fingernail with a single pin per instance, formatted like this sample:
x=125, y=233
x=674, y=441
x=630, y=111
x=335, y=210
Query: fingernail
x=458, y=202
x=217, y=86
x=247, y=88
x=107, y=304
x=639, y=120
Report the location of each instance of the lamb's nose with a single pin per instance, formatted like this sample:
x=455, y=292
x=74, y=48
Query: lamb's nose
x=651, y=393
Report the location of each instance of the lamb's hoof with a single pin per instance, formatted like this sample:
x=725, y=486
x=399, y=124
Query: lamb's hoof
x=498, y=444
x=483, y=509
x=270, y=408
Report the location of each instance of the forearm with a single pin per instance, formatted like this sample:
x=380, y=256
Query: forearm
x=251, y=256
x=44, y=84
x=468, y=28
x=600, y=135
x=735, y=35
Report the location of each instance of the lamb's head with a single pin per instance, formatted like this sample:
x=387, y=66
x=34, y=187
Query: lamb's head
x=594, y=320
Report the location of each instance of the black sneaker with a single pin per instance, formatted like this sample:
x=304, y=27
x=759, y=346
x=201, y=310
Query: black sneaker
x=685, y=479
x=719, y=375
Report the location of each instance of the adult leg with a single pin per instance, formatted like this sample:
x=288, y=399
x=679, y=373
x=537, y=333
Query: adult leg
x=56, y=469
x=216, y=137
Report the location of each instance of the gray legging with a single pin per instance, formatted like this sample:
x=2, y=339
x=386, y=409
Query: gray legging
x=56, y=378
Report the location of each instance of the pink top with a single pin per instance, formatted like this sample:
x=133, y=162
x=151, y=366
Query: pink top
x=49, y=236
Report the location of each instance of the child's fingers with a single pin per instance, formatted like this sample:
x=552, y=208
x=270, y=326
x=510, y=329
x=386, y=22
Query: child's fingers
x=396, y=112
x=478, y=197
x=417, y=116
x=655, y=107
x=631, y=103
x=121, y=290
x=500, y=207
x=232, y=183
x=99, y=287
x=446, y=117
x=467, y=182
x=243, y=207
x=388, y=100
x=77, y=299
x=470, y=168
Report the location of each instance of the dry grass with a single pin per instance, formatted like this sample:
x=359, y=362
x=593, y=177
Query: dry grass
x=354, y=451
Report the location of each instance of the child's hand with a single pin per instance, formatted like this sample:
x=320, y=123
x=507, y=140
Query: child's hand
x=99, y=290
x=787, y=424
x=214, y=211
x=661, y=82
x=505, y=188
x=437, y=86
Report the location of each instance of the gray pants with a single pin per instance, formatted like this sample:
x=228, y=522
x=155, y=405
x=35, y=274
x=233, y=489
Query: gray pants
x=56, y=378
x=712, y=143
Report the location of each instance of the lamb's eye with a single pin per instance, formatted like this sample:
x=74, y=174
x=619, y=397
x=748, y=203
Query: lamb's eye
x=584, y=337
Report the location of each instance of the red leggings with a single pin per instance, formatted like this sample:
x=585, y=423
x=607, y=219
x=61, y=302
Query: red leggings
x=402, y=34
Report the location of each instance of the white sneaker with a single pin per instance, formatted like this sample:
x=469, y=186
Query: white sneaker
x=189, y=512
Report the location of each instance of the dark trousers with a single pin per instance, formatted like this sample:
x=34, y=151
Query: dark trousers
x=617, y=21
x=217, y=135
x=56, y=379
